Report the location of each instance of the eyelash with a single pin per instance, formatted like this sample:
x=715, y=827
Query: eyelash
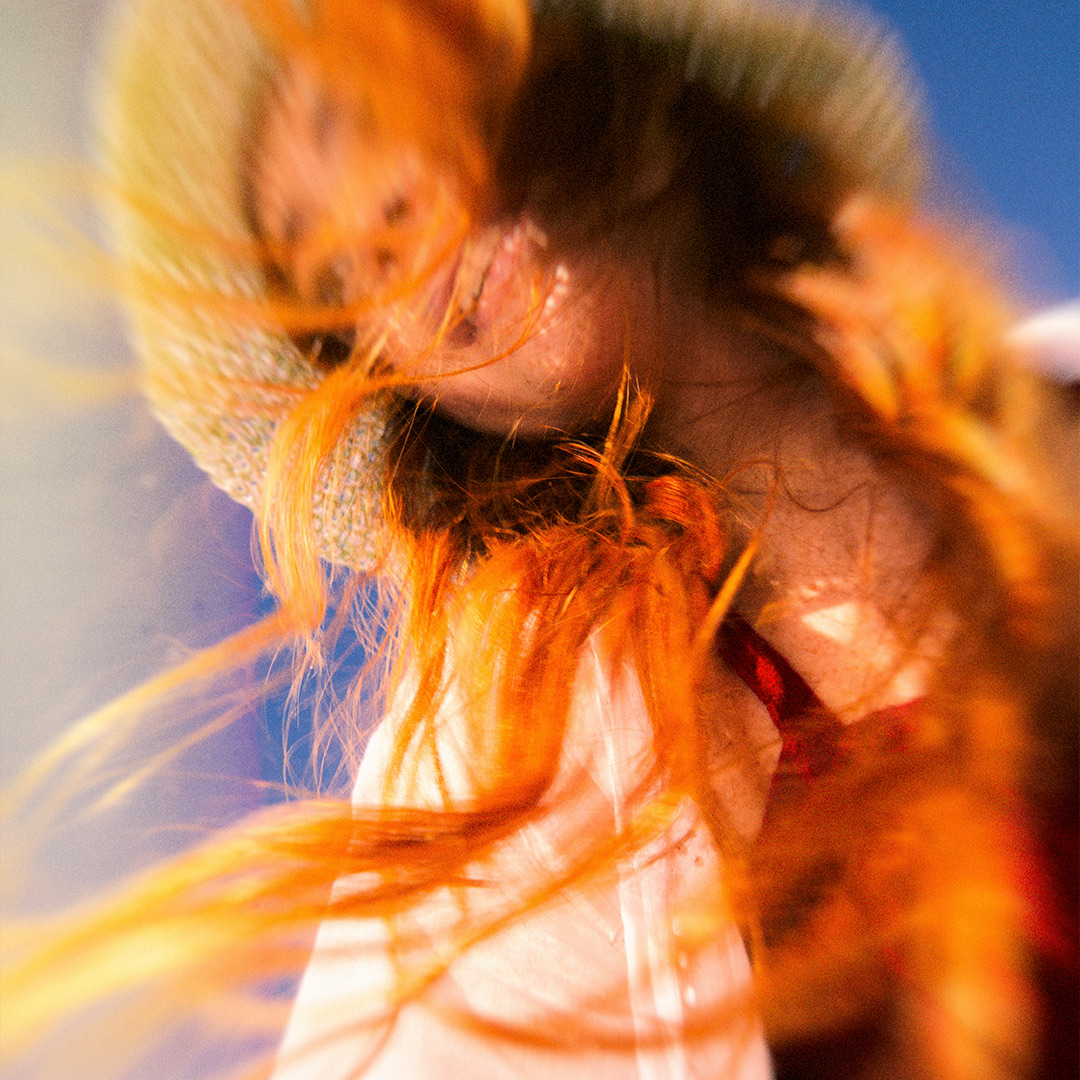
x=327, y=350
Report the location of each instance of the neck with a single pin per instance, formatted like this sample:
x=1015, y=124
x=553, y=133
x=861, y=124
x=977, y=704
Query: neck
x=835, y=584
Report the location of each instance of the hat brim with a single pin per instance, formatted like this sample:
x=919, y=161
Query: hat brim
x=177, y=110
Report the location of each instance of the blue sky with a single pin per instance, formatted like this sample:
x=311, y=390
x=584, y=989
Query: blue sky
x=1003, y=82
x=1002, y=78
x=93, y=596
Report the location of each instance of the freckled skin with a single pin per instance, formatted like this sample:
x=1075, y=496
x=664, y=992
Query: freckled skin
x=503, y=332
x=506, y=331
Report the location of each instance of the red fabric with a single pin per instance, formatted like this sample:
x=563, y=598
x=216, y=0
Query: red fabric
x=781, y=689
x=808, y=729
x=1048, y=861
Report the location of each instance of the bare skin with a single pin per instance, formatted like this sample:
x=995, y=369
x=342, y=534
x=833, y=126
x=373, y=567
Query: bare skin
x=505, y=333
x=501, y=332
x=508, y=332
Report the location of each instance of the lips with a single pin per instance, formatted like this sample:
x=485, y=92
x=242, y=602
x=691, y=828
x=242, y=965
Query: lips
x=504, y=266
x=490, y=286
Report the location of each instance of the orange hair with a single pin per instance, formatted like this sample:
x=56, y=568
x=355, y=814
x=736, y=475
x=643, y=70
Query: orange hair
x=890, y=906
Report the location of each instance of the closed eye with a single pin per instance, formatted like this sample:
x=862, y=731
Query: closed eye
x=327, y=349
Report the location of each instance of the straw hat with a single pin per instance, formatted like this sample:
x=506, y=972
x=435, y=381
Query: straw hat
x=177, y=107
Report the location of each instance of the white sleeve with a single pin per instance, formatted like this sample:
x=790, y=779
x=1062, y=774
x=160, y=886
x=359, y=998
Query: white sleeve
x=605, y=952
x=1050, y=341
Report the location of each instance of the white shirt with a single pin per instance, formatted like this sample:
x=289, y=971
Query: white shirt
x=605, y=951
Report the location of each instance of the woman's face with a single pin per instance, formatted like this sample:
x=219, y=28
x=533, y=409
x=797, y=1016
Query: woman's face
x=499, y=327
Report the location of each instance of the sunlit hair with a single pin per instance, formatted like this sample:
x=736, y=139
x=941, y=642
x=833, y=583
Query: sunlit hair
x=894, y=904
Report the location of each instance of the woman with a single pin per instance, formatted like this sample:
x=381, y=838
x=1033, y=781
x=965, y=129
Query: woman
x=726, y=609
